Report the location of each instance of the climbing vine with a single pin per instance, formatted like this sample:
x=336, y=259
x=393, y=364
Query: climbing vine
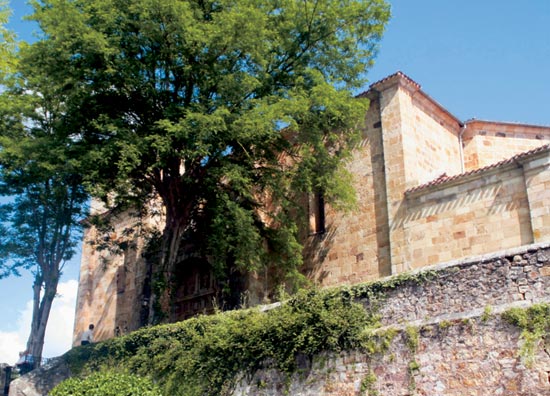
x=535, y=325
x=204, y=355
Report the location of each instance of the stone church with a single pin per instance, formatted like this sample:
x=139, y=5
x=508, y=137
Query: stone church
x=431, y=189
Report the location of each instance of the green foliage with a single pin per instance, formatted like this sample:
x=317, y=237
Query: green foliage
x=375, y=341
x=7, y=41
x=445, y=324
x=535, y=325
x=486, y=313
x=375, y=290
x=413, y=337
x=367, y=385
x=107, y=384
x=412, y=369
x=413, y=366
x=201, y=356
x=39, y=171
x=229, y=110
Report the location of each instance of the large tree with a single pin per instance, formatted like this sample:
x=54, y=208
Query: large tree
x=228, y=110
x=44, y=199
x=7, y=40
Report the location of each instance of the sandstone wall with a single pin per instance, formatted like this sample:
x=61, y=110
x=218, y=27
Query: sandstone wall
x=486, y=211
x=537, y=182
x=430, y=140
x=355, y=246
x=410, y=140
x=486, y=143
x=461, y=348
x=112, y=277
x=420, y=141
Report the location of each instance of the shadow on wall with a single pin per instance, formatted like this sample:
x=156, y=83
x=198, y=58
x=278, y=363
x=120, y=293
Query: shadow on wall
x=486, y=201
x=317, y=248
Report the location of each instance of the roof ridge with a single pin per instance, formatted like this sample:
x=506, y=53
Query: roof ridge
x=398, y=73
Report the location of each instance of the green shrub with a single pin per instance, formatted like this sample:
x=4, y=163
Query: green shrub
x=535, y=325
x=203, y=355
x=107, y=384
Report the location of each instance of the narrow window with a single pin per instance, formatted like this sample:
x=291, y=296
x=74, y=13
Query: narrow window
x=316, y=213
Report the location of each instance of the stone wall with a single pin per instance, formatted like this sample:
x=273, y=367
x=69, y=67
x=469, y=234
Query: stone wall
x=485, y=211
x=430, y=140
x=40, y=381
x=355, y=247
x=537, y=182
x=113, y=273
x=488, y=142
x=451, y=340
x=463, y=346
x=474, y=358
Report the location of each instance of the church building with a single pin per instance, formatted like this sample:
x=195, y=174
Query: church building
x=431, y=189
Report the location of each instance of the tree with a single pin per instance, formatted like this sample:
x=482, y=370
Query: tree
x=46, y=199
x=7, y=39
x=228, y=110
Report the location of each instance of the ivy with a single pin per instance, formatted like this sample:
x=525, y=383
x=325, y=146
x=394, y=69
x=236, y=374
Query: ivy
x=204, y=355
x=374, y=291
x=368, y=383
x=535, y=325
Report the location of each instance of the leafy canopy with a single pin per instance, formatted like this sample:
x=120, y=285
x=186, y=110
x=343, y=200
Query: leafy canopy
x=40, y=178
x=228, y=110
x=43, y=196
x=7, y=40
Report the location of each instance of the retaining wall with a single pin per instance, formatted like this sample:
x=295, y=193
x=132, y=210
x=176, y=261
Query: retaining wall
x=464, y=346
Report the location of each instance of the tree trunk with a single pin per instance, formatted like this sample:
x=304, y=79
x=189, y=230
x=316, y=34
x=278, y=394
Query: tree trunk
x=41, y=313
x=161, y=303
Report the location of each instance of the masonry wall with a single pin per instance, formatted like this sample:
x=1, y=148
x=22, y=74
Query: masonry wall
x=464, y=346
x=112, y=277
x=430, y=140
x=537, y=182
x=482, y=212
x=486, y=143
x=410, y=140
x=355, y=246
x=487, y=213
x=475, y=359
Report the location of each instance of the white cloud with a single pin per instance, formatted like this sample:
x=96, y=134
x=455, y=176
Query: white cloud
x=58, y=333
x=10, y=344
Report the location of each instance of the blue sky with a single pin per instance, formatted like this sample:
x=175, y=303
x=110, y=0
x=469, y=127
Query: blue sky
x=485, y=59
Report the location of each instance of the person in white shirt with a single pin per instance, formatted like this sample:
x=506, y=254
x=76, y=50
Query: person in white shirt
x=87, y=336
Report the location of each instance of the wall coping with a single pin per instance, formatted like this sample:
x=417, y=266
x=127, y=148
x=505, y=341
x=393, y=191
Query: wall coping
x=472, y=260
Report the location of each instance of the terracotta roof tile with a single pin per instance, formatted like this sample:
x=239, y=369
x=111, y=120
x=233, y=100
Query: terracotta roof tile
x=443, y=178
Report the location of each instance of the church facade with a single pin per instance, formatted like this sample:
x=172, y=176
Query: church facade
x=430, y=189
